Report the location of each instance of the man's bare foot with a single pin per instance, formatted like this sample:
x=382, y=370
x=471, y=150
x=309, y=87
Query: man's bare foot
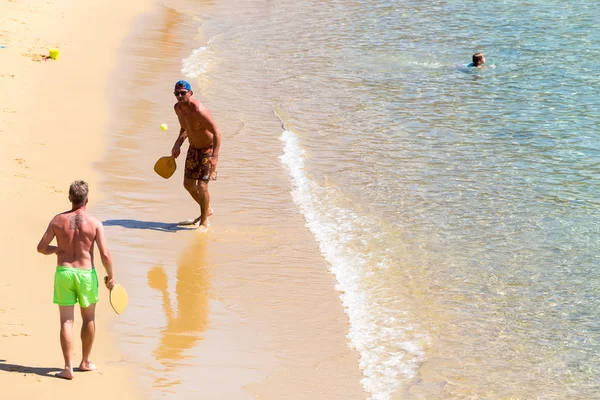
x=87, y=366
x=202, y=228
x=210, y=212
x=65, y=374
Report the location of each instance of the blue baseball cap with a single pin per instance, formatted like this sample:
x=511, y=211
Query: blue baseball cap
x=186, y=85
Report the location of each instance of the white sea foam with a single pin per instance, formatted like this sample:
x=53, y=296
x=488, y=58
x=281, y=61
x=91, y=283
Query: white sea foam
x=196, y=64
x=199, y=63
x=388, y=345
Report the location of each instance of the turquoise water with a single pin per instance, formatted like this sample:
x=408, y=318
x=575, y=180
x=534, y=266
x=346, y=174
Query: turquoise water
x=457, y=209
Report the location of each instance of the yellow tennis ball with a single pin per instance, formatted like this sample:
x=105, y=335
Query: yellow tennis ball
x=164, y=127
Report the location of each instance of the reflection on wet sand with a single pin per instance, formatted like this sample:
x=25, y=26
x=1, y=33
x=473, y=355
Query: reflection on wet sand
x=189, y=318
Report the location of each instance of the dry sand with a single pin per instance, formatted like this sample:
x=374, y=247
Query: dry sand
x=53, y=122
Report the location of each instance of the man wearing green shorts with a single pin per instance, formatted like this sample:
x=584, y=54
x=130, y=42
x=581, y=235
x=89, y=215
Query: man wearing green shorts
x=75, y=280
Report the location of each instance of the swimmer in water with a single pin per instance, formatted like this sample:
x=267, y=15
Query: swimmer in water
x=478, y=61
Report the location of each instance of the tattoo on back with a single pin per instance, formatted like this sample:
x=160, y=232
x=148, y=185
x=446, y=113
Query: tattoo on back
x=75, y=221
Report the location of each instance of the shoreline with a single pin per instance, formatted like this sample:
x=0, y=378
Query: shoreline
x=225, y=304
x=53, y=124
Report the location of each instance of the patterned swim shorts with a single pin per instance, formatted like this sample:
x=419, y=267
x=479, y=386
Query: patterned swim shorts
x=197, y=166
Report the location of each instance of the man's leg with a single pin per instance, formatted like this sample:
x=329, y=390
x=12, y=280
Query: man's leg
x=88, y=332
x=191, y=185
x=66, y=340
x=199, y=191
x=204, y=205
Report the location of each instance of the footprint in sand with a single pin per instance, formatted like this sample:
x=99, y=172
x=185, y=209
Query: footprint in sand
x=55, y=190
x=34, y=57
x=21, y=161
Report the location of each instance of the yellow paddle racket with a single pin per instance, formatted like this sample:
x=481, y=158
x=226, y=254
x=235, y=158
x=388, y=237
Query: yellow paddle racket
x=165, y=166
x=118, y=297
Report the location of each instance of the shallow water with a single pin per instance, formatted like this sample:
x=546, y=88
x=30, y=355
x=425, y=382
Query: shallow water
x=456, y=209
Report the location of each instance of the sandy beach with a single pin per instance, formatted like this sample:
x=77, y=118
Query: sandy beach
x=247, y=311
x=53, y=126
x=387, y=225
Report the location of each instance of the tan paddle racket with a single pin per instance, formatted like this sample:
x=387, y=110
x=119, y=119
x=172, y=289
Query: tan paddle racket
x=165, y=166
x=118, y=297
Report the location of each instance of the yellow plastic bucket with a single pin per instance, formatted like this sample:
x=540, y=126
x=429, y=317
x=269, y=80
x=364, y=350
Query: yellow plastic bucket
x=54, y=53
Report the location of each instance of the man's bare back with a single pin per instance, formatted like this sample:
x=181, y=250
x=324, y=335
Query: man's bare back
x=76, y=232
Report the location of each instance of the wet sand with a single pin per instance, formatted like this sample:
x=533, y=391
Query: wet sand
x=248, y=310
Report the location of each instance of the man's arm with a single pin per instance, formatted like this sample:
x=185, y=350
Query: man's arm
x=210, y=124
x=216, y=142
x=105, y=255
x=176, y=150
x=44, y=246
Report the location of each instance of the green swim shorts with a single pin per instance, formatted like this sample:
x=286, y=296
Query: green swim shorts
x=75, y=285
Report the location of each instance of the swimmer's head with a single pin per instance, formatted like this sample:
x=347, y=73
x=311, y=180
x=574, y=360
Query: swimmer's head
x=478, y=59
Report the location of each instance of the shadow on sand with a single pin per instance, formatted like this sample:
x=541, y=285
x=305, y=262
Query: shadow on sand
x=151, y=225
x=41, y=371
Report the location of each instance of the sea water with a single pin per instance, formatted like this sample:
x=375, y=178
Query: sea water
x=456, y=207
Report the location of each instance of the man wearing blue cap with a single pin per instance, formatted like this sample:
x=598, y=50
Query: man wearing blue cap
x=198, y=126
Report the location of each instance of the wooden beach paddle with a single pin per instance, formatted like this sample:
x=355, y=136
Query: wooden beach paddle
x=165, y=166
x=118, y=297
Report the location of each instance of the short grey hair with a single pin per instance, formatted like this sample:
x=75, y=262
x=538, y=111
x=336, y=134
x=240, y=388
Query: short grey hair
x=78, y=192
